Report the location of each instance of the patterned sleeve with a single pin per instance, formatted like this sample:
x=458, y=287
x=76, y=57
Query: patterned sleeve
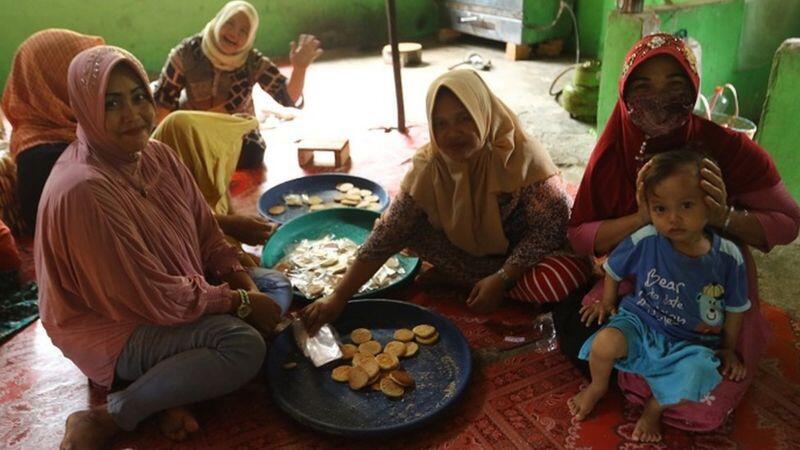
x=395, y=230
x=170, y=82
x=546, y=208
x=270, y=79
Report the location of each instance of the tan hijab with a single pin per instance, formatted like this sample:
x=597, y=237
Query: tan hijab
x=210, y=42
x=461, y=197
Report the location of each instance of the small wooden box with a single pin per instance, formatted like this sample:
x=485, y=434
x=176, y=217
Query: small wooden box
x=307, y=147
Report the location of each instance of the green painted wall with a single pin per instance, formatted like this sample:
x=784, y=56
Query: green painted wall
x=592, y=16
x=738, y=39
x=150, y=28
x=622, y=31
x=717, y=25
x=779, y=132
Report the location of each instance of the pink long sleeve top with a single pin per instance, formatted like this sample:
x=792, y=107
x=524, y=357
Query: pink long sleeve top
x=112, y=256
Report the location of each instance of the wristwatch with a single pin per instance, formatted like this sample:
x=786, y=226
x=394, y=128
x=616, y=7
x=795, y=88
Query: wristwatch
x=244, y=308
x=508, y=282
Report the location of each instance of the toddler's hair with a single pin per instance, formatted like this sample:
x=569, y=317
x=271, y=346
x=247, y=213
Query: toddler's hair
x=668, y=163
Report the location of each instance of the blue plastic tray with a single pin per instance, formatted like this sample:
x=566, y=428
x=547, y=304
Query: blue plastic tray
x=323, y=185
x=352, y=223
x=309, y=395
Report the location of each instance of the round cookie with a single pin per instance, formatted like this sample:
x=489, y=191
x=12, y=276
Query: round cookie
x=424, y=331
x=429, y=340
x=411, y=349
x=360, y=335
x=277, y=210
x=404, y=335
x=387, y=361
x=395, y=348
x=391, y=389
x=371, y=347
x=348, y=351
x=371, y=367
x=358, y=378
x=402, y=378
x=341, y=373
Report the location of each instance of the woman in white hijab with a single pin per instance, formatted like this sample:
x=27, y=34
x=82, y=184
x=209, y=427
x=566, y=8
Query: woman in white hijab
x=215, y=70
x=483, y=203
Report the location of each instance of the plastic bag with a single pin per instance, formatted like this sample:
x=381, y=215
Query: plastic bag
x=320, y=349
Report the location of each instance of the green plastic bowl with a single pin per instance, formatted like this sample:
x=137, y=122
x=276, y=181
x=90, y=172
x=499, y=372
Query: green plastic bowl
x=351, y=223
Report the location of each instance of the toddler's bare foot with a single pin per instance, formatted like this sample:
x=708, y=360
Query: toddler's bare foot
x=648, y=427
x=177, y=423
x=88, y=429
x=582, y=403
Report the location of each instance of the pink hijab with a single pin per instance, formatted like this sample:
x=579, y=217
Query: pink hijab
x=87, y=83
x=112, y=252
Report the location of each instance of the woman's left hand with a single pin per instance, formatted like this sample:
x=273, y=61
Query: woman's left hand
x=487, y=295
x=716, y=195
x=303, y=52
x=250, y=230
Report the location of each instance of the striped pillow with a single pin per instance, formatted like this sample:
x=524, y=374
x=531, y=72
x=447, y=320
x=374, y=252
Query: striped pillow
x=552, y=279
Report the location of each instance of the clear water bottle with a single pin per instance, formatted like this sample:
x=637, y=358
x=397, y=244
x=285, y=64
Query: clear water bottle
x=545, y=333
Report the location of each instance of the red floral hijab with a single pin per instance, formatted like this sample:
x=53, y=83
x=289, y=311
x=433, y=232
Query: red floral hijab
x=608, y=190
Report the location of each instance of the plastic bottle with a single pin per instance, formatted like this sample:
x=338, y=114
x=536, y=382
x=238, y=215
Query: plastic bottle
x=720, y=103
x=546, y=333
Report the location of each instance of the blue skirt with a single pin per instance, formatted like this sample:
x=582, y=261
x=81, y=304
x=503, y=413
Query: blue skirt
x=674, y=370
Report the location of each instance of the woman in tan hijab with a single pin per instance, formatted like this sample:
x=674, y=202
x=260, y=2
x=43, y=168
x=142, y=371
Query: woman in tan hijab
x=483, y=203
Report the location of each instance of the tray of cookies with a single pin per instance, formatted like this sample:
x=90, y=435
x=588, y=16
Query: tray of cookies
x=314, y=251
x=402, y=367
x=299, y=196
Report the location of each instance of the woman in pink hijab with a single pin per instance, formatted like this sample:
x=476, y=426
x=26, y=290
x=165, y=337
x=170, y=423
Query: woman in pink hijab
x=124, y=243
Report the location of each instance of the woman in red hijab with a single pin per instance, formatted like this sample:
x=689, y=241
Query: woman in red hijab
x=748, y=202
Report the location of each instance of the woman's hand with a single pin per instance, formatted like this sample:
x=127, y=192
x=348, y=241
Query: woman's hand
x=597, y=310
x=303, y=52
x=716, y=195
x=487, y=294
x=265, y=313
x=641, y=198
x=322, y=311
x=731, y=366
x=250, y=230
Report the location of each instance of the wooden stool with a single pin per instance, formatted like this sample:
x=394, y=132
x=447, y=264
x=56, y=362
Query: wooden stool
x=307, y=147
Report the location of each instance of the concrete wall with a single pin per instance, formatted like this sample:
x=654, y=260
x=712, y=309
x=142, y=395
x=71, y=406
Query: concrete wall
x=150, y=28
x=778, y=131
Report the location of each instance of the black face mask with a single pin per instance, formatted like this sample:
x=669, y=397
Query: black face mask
x=657, y=114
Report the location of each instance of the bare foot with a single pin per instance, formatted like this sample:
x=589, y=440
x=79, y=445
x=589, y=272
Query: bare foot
x=648, y=427
x=88, y=429
x=177, y=423
x=582, y=404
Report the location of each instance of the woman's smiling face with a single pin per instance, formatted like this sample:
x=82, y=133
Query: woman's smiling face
x=454, y=129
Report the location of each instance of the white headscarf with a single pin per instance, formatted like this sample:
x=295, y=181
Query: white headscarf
x=210, y=42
